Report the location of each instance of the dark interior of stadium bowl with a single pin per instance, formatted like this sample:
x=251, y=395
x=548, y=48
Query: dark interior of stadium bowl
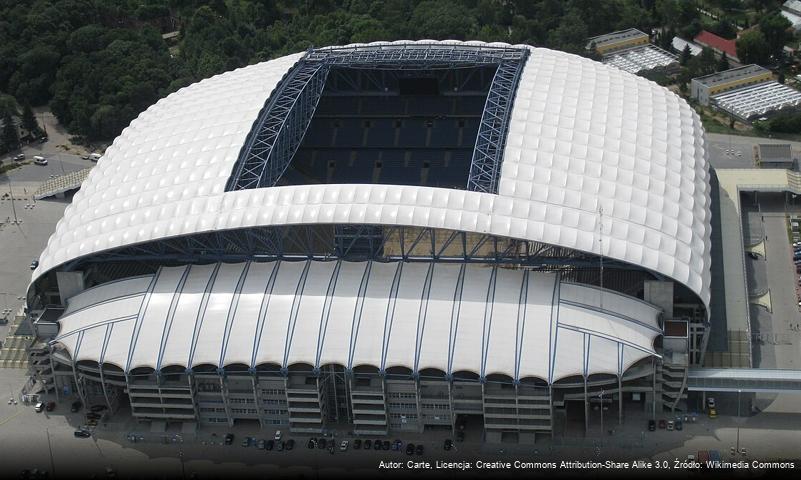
x=401, y=127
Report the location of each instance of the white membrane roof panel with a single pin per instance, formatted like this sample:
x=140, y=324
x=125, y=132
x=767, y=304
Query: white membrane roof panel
x=584, y=138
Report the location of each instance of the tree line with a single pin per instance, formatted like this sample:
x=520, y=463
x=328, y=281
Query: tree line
x=99, y=63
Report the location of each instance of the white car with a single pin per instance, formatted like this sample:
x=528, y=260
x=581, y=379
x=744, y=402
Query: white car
x=277, y=435
x=19, y=158
x=710, y=402
x=39, y=160
x=343, y=446
x=94, y=157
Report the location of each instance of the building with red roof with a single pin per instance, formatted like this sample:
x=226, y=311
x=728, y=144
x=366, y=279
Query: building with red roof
x=719, y=44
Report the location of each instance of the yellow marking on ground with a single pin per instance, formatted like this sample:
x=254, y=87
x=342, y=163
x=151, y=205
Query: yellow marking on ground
x=7, y=419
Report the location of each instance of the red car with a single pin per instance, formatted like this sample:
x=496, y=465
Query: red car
x=662, y=424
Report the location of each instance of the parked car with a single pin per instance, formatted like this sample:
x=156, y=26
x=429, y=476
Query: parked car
x=97, y=408
x=651, y=425
x=670, y=425
x=368, y=444
x=92, y=416
x=39, y=160
x=460, y=436
x=290, y=444
x=386, y=445
x=710, y=402
x=357, y=444
x=679, y=424
x=448, y=444
x=261, y=444
x=397, y=444
x=247, y=442
x=39, y=407
x=76, y=406
x=377, y=445
x=94, y=157
x=277, y=435
x=662, y=423
x=269, y=445
x=279, y=446
x=331, y=448
x=321, y=443
x=703, y=457
x=419, y=449
x=82, y=434
x=229, y=438
x=50, y=406
x=311, y=444
x=713, y=413
x=409, y=449
x=343, y=447
x=19, y=157
x=34, y=264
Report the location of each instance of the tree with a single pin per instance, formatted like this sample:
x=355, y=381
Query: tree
x=9, y=137
x=29, y=122
x=686, y=55
x=775, y=28
x=723, y=63
x=753, y=48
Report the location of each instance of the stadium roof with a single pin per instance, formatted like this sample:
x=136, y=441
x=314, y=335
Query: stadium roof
x=453, y=318
x=596, y=160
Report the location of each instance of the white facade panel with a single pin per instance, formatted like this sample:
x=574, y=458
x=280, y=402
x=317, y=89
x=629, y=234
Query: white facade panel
x=103, y=292
x=570, y=350
x=306, y=329
x=404, y=320
x=246, y=318
x=538, y=333
x=467, y=349
x=439, y=315
x=145, y=349
x=369, y=328
x=119, y=342
x=503, y=325
x=100, y=313
x=336, y=333
x=177, y=342
x=216, y=315
x=273, y=338
x=91, y=344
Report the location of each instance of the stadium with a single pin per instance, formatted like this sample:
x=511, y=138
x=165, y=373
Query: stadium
x=400, y=236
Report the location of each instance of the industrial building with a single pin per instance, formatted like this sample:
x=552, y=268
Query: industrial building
x=392, y=236
x=630, y=50
x=745, y=92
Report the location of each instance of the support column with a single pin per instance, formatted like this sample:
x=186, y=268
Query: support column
x=224, y=396
x=334, y=387
x=192, y=393
x=255, y=382
x=420, y=425
x=53, y=373
x=103, y=386
x=653, y=400
x=550, y=403
x=586, y=409
x=450, y=406
x=619, y=400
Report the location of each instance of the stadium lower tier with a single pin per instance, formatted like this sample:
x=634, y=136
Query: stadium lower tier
x=382, y=346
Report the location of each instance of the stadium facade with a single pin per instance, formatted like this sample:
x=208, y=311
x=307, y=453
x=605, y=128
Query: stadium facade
x=390, y=236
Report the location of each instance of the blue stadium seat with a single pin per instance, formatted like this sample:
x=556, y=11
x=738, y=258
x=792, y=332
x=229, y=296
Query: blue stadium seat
x=413, y=133
x=445, y=133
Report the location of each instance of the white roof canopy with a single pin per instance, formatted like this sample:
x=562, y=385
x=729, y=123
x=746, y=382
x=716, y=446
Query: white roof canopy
x=452, y=318
x=583, y=138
